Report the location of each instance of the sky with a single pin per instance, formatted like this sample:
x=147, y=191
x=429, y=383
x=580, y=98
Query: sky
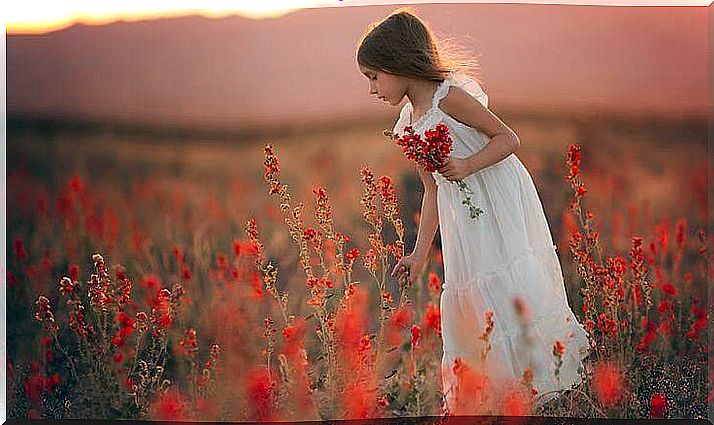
x=37, y=17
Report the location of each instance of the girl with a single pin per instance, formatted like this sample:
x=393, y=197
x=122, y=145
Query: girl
x=505, y=262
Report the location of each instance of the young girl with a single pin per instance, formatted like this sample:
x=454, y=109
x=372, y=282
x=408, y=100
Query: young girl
x=505, y=261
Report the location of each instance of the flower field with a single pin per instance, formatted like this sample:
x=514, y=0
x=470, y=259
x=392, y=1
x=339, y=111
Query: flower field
x=195, y=279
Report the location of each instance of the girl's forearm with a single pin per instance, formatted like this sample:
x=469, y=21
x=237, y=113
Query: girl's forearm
x=428, y=223
x=499, y=148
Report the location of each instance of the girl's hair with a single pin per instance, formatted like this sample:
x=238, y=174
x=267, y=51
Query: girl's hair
x=403, y=44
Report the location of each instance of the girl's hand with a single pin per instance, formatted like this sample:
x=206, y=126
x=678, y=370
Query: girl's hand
x=455, y=169
x=408, y=268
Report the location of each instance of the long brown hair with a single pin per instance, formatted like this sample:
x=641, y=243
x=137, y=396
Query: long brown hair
x=403, y=44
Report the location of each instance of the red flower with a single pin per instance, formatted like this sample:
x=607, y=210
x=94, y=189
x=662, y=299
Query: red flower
x=415, y=331
x=658, y=406
x=170, y=407
x=432, y=318
x=669, y=289
x=260, y=390
x=608, y=383
x=310, y=233
x=434, y=283
x=20, y=252
x=431, y=153
x=401, y=317
x=353, y=254
x=521, y=308
x=185, y=273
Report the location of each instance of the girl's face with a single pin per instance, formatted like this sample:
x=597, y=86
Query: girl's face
x=387, y=87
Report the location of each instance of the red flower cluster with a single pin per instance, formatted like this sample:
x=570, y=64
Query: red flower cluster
x=432, y=318
x=431, y=153
x=573, y=159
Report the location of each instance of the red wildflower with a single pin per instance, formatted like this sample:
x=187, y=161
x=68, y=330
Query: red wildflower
x=432, y=318
x=431, y=154
x=353, y=254
x=681, y=232
x=310, y=233
x=434, y=283
x=521, y=308
x=170, y=407
x=669, y=289
x=658, y=406
x=608, y=383
x=416, y=332
x=401, y=317
x=20, y=252
x=261, y=392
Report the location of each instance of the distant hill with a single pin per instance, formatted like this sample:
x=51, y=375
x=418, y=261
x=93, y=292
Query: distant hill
x=235, y=72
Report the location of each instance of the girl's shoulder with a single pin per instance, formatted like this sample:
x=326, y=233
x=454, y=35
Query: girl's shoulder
x=469, y=85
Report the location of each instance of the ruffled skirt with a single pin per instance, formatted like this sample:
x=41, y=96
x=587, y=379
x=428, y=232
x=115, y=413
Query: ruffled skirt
x=504, y=260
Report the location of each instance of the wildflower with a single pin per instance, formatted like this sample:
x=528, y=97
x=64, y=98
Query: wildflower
x=401, y=317
x=521, y=308
x=323, y=211
x=608, y=383
x=170, y=407
x=415, y=332
x=44, y=314
x=189, y=344
x=261, y=390
x=516, y=403
x=669, y=289
x=434, y=283
x=681, y=232
x=310, y=234
x=391, y=209
x=370, y=213
x=431, y=153
x=370, y=261
x=489, y=326
x=353, y=254
x=658, y=406
x=20, y=252
x=432, y=318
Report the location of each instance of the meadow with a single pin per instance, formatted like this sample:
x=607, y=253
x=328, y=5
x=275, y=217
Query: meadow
x=204, y=277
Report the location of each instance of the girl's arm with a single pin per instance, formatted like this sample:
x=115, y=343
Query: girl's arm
x=466, y=109
x=428, y=218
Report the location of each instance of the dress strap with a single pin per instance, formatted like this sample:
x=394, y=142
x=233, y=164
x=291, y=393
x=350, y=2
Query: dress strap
x=441, y=90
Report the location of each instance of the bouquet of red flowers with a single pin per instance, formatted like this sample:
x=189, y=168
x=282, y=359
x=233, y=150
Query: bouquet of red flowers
x=431, y=153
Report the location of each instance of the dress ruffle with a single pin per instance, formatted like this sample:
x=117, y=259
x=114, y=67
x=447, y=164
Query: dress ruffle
x=515, y=344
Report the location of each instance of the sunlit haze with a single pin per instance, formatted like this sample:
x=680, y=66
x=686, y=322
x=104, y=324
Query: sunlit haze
x=29, y=17
x=35, y=17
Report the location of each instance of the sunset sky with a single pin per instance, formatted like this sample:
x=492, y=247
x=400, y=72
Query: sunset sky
x=41, y=16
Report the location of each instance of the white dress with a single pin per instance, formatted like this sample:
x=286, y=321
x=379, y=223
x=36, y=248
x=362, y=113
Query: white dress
x=508, y=252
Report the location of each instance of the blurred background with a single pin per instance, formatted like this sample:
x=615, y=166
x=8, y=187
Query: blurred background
x=197, y=97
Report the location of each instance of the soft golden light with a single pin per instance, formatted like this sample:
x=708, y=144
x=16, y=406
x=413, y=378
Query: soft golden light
x=30, y=17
